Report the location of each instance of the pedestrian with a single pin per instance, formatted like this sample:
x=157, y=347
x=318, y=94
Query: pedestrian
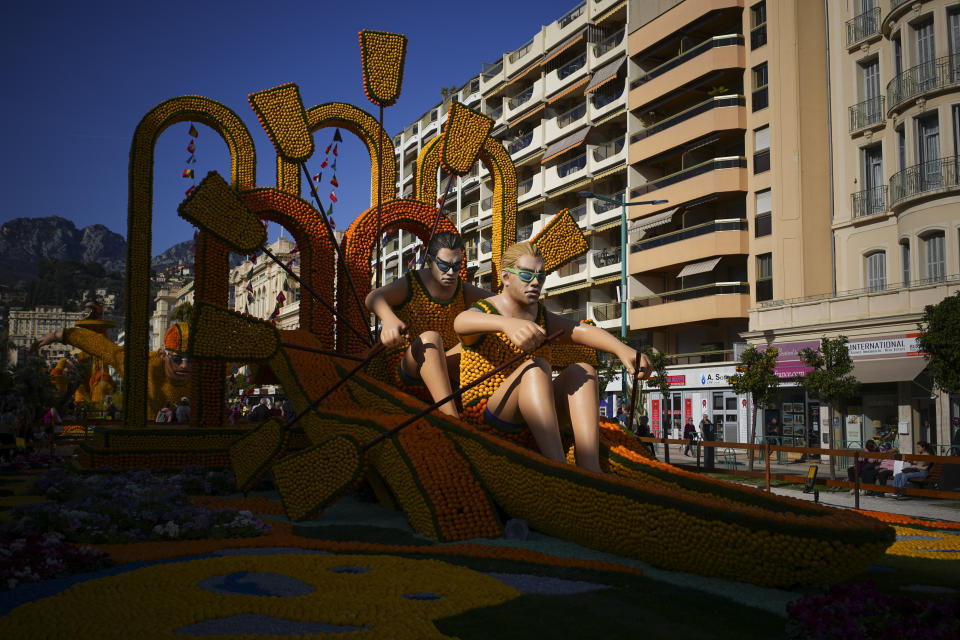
x=622, y=417
x=165, y=414
x=709, y=433
x=183, y=411
x=689, y=434
x=643, y=430
x=261, y=412
x=288, y=413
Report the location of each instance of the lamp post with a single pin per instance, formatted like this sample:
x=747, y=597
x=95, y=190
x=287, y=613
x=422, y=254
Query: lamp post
x=623, y=266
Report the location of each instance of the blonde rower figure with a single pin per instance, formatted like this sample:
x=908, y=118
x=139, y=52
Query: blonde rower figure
x=528, y=396
x=423, y=304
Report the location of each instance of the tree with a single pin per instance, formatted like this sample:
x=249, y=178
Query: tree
x=755, y=375
x=939, y=337
x=830, y=381
x=182, y=312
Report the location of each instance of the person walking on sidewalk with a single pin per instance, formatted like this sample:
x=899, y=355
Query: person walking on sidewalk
x=689, y=434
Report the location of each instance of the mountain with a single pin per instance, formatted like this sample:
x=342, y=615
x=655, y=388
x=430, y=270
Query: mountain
x=24, y=241
x=180, y=253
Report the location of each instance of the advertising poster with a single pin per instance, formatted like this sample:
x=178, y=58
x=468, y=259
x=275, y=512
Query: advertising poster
x=655, y=416
x=687, y=410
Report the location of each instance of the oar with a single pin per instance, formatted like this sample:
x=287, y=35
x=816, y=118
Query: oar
x=633, y=394
x=347, y=457
x=324, y=352
x=436, y=221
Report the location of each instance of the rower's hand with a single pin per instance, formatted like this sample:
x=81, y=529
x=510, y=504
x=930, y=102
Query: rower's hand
x=629, y=360
x=527, y=335
x=391, y=332
x=44, y=340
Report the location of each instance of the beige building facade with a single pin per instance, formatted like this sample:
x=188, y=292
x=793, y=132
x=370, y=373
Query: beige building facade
x=26, y=326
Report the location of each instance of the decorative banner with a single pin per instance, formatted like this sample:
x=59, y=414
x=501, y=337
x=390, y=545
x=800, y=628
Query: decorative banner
x=191, y=159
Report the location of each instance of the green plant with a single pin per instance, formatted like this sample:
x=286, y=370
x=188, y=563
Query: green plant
x=940, y=335
x=755, y=375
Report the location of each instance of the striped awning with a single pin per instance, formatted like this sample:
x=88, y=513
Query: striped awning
x=568, y=90
x=572, y=141
x=607, y=280
x=522, y=74
x=609, y=172
x=579, y=184
x=605, y=75
x=566, y=45
x=568, y=288
x=653, y=221
x=608, y=226
x=699, y=267
x=527, y=115
x=532, y=203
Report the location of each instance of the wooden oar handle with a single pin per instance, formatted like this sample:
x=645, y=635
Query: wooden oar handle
x=383, y=436
x=633, y=393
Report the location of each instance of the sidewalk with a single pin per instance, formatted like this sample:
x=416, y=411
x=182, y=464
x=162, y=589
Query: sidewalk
x=912, y=506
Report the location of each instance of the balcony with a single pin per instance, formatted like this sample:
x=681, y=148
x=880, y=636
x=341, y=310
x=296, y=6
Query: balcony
x=530, y=97
x=608, y=154
x=863, y=27
x=606, y=49
x=523, y=146
x=565, y=26
x=868, y=202
x=579, y=213
x=527, y=231
x=607, y=102
x=922, y=180
x=606, y=315
x=525, y=55
x=716, y=164
x=487, y=203
x=925, y=78
x=719, y=52
x=602, y=211
x=566, y=75
x=491, y=76
x=721, y=113
x=570, y=273
x=565, y=172
x=495, y=113
x=868, y=113
x=563, y=123
x=694, y=304
x=530, y=188
x=604, y=262
x=714, y=238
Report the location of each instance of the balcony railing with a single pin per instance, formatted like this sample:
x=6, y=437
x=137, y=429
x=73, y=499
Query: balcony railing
x=608, y=311
x=524, y=232
x=923, y=178
x=896, y=3
x=608, y=43
x=889, y=288
x=572, y=15
x=485, y=246
x=573, y=268
x=731, y=162
x=578, y=213
x=492, y=70
x=690, y=293
x=695, y=110
x=761, y=161
x=928, y=76
x=519, y=53
x=574, y=315
x=523, y=188
x=520, y=98
x=572, y=166
x=606, y=257
x=495, y=113
x=734, y=224
x=869, y=201
x=867, y=113
x=600, y=100
x=471, y=212
x=609, y=149
x=572, y=67
x=758, y=36
x=571, y=116
x=486, y=203
x=863, y=26
x=520, y=143
x=602, y=206
x=729, y=40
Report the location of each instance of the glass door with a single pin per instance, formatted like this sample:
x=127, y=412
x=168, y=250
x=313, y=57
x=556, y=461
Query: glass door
x=926, y=69
x=928, y=152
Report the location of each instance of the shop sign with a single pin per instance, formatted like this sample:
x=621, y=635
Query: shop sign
x=701, y=377
x=789, y=364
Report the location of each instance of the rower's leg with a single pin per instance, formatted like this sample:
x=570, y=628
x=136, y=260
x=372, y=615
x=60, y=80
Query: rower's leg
x=576, y=392
x=527, y=395
x=425, y=359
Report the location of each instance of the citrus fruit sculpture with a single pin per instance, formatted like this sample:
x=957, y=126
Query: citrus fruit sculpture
x=452, y=481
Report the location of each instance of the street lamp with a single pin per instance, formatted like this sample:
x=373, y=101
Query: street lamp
x=623, y=266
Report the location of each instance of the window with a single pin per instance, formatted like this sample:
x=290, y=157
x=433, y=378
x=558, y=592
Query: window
x=926, y=56
x=870, y=89
x=760, y=99
x=758, y=25
x=901, y=149
x=905, y=261
x=897, y=55
x=872, y=199
x=928, y=152
x=764, y=277
x=934, y=256
x=763, y=226
x=877, y=271
x=761, y=149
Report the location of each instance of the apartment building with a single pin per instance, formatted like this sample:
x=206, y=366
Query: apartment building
x=26, y=326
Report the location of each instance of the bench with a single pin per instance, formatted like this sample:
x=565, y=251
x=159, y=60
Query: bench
x=932, y=481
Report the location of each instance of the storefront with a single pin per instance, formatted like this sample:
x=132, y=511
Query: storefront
x=696, y=391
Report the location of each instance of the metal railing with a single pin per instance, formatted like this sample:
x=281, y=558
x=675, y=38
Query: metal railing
x=606, y=257
x=734, y=224
x=571, y=116
x=866, y=113
x=492, y=70
x=690, y=293
x=572, y=15
x=609, y=149
x=869, y=201
x=520, y=143
x=927, y=76
x=572, y=166
x=890, y=287
x=607, y=311
x=576, y=315
x=733, y=39
x=572, y=67
x=695, y=110
x=896, y=3
x=758, y=36
x=731, y=162
x=520, y=98
x=579, y=212
x=495, y=113
x=863, y=26
x=600, y=100
x=924, y=178
x=573, y=268
x=519, y=53
x=608, y=43
x=602, y=206
x=697, y=357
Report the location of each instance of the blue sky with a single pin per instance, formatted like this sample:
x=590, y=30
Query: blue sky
x=78, y=76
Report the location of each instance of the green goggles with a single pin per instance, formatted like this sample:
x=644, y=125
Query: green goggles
x=526, y=275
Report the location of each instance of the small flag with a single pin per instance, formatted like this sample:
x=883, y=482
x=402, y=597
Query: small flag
x=336, y=136
x=190, y=190
x=276, y=312
x=333, y=225
x=250, y=287
x=334, y=149
x=281, y=298
x=317, y=177
x=334, y=165
x=250, y=297
x=295, y=249
x=334, y=182
x=333, y=196
x=192, y=146
x=188, y=173
x=327, y=150
x=324, y=165
x=193, y=131
x=191, y=160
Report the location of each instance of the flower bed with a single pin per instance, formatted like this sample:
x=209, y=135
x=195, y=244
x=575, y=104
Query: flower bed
x=32, y=557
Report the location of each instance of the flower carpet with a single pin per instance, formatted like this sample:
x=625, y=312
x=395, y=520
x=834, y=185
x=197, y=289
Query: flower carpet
x=230, y=565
